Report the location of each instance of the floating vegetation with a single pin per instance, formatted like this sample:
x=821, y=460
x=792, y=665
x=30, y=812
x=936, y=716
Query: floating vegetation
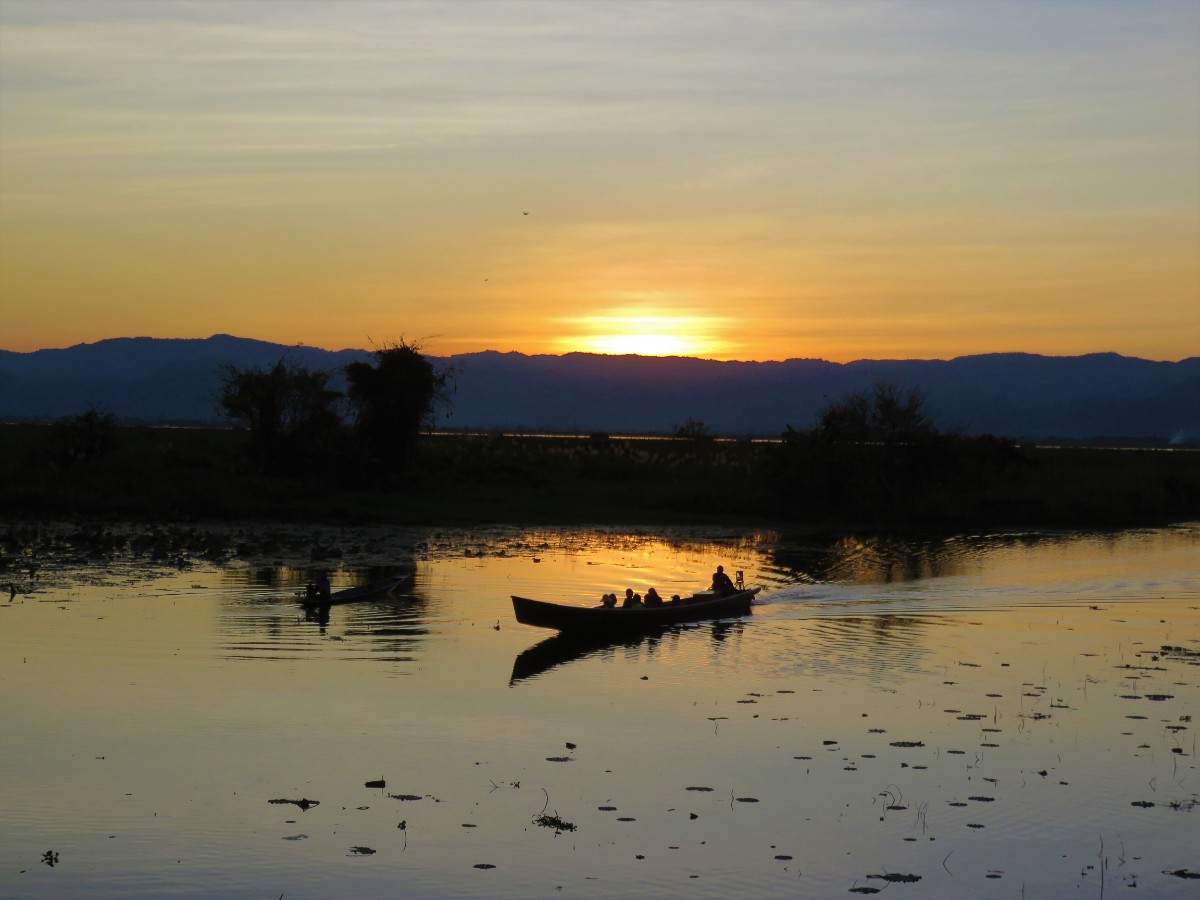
x=897, y=878
x=50, y=858
x=560, y=759
x=304, y=803
x=555, y=822
x=1144, y=804
x=983, y=799
x=1183, y=873
x=484, y=866
x=706, y=789
x=361, y=851
x=907, y=744
x=1181, y=652
x=405, y=796
x=747, y=799
x=376, y=784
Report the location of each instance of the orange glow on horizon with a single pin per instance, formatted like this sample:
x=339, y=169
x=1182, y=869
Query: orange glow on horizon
x=643, y=333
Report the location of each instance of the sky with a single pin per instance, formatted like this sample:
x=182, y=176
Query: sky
x=731, y=180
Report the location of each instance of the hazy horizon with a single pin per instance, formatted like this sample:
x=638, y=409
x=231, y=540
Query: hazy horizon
x=723, y=180
x=368, y=347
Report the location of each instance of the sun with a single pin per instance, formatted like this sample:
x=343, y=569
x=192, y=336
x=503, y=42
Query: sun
x=643, y=334
x=640, y=344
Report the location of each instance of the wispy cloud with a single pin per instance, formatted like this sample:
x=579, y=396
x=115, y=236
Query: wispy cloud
x=791, y=147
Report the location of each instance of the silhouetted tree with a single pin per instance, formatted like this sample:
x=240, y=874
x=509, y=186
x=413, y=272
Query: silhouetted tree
x=887, y=414
x=878, y=456
x=393, y=399
x=83, y=438
x=289, y=410
x=694, y=430
x=869, y=454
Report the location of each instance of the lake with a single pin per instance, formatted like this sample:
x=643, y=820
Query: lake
x=992, y=715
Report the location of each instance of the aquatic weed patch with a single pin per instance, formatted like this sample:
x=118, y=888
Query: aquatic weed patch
x=555, y=822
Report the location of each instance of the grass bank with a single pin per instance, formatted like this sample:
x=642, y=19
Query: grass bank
x=181, y=474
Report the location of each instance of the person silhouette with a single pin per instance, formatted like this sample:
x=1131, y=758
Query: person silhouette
x=721, y=585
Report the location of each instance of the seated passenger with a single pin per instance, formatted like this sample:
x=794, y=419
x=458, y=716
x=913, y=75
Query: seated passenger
x=632, y=600
x=608, y=601
x=721, y=585
x=652, y=598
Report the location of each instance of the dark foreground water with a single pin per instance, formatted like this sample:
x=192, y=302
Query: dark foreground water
x=1006, y=716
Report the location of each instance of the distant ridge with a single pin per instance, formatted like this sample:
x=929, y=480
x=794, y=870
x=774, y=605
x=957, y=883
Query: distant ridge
x=1024, y=395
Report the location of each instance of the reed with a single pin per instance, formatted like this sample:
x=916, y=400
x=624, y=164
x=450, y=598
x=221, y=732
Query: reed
x=202, y=473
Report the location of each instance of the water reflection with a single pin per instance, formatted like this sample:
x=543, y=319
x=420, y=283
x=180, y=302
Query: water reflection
x=568, y=647
x=141, y=750
x=883, y=559
x=263, y=615
x=874, y=559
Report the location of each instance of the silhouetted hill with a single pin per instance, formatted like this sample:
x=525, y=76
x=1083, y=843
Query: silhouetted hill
x=1015, y=394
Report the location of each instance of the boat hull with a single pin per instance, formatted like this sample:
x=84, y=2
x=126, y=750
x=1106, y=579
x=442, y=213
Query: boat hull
x=384, y=587
x=608, y=620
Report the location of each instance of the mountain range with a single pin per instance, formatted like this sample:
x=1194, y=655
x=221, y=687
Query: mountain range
x=1021, y=395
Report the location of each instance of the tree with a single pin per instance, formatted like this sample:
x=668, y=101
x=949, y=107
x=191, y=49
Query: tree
x=870, y=455
x=878, y=457
x=87, y=437
x=888, y=414
x=694, y=430
x=290, y=411
x=393, y=399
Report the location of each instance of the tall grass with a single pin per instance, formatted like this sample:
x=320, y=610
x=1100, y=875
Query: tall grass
x=203, y=474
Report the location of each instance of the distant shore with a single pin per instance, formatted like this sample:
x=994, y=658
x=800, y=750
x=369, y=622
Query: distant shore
x=192, y=474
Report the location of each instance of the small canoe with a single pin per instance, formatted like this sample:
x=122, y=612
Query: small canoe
x=704, y=605
x=384, y=587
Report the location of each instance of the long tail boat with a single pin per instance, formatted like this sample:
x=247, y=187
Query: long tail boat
x=375, y=590
x=596, y=619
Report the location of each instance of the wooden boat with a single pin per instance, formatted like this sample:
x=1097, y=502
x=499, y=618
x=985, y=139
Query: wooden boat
x=376, y=590
x=704, y=605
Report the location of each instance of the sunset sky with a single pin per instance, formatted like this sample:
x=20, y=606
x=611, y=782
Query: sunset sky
x=733, y=180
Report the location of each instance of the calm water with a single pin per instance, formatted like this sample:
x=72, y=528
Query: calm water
x=992, y=714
